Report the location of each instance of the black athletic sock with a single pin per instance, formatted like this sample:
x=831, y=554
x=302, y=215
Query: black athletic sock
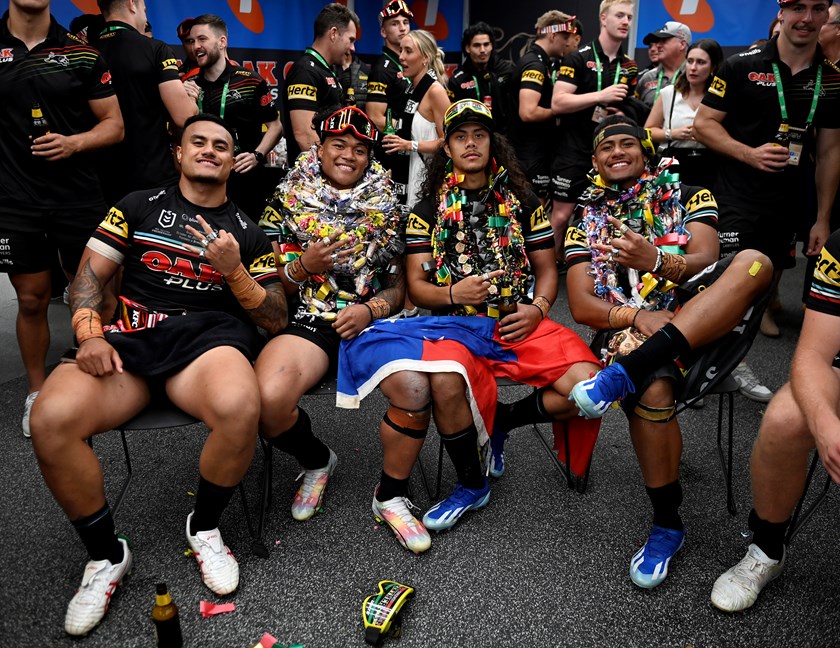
x=462, y=448
x=99, y=536
x=768, y=536
x=525, y=411
x=666, y=502
x=666, y=345
x=304, y=446
x=210, y=502
x=391, y=487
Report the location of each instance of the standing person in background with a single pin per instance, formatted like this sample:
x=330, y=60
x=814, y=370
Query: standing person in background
x=421, y=130
x=532, y=123
x=150, y=93
x=188, y=67
x=763, y=132
x=483, y=76
x=241, y=98
x=353, y=74
x=58, y=104
x=670, y=45
x=388, y=89
x=594, y=82
x=671, y=122
x=311, y=85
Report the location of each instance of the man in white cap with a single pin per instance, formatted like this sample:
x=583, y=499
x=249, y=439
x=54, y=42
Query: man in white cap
x=669, y=46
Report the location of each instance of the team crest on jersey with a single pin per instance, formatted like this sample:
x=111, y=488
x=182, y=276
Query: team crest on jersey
x=58, y=59
x=7, y=55
x=167, y=218
x=330, y=81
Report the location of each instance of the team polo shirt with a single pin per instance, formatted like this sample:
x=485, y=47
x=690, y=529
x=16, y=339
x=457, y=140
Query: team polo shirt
x=745, y=89
x=248, y=103
x=490, y=86
x=581, y=70
x=700, y=207
x=646, y=89
x=386, y=83
x=533, y=71
x=146, y=232
x=310, y=85
x=62, y=74
x=139, y=65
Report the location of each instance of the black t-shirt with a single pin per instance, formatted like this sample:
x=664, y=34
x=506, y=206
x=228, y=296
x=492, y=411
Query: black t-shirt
x=386, y=83
x=139, y=65
x=248, y=103
x=146, y=232
x=62, y=75
x=744, y=88
x=534, y=71
x=310, y=85
x=581, y=70
x=490, y=86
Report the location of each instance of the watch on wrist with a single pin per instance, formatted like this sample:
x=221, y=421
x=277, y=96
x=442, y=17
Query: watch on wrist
x=415, y=146
x=260, y=157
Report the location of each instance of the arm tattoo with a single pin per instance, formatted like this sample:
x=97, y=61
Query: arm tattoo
x=87, y=290
x=393, y=288
x=273, y=314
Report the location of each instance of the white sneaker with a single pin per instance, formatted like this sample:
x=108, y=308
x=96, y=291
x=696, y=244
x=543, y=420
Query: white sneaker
x=749, y=385
x=310, y=493
x=27, y=411
x=396, y=513
x=90, y=603
x=738, y=588
x=219, y=569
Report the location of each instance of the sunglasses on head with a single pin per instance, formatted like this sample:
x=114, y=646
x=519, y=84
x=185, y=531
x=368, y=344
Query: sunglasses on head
x=352, y=119
x=465, y=105
x=396, y=8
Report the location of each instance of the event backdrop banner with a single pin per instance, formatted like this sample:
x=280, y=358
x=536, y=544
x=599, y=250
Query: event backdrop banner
x=285, y=24
x=730, y=23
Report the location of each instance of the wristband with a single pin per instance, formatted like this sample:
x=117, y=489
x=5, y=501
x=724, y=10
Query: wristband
x=656, y=266
x=370, y=310
x=247, y=291
x=303, y=267
x=621, y=316
x=295, y=272
x=638, y=310
x=451, y=301
x=543, y=304
x=87, y=324
x=667, y=134
x=672, y=267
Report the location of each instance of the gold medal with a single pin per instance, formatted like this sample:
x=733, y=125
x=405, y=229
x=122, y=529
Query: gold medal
x=492, y=289
x=463, y=259
x=467, y=268
x=460, y=247
x=459, y=235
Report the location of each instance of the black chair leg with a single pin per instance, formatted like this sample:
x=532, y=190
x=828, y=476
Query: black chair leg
x=796, y=524
x=578, y=484
x=726, y=461
x=129, y=473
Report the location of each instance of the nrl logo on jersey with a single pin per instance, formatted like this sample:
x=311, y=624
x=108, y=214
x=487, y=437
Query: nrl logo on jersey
x=167, y=218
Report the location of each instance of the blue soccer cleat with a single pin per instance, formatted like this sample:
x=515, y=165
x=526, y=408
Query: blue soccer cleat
x=595, y=395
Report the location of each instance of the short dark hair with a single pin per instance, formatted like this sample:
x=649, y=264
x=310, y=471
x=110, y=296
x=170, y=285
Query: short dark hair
x=334, y=15
x=107, y=5
x=578, y=27
x=202, y=117
x=474, y=30
x=213, y=21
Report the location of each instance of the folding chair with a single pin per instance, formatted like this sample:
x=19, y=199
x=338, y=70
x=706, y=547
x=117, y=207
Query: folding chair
x=711, y=374
x=796, y=523
x=160, y=416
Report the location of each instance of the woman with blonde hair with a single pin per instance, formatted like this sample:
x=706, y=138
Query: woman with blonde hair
x=420, y=130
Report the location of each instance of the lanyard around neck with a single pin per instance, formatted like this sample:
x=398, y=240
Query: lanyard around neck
x=662, y=74
x=318, y=57
x=781, y=92
x=113, y=28
x=223, y=102
x=599, y=67
x=393, y=60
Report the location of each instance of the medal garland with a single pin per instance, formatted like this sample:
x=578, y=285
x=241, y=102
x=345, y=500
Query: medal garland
x=489, y=239
x=367, y=214
x=650, y=208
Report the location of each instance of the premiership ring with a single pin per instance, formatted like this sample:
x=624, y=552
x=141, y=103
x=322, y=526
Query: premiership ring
x=615, y=252
x=326, y=241
x=203, y=242
x=485, y=277
x=624, y=229
x=201, y=253
x=334, y=257
x=212, y=236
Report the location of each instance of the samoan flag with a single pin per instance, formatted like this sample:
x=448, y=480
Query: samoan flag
x=471, y=347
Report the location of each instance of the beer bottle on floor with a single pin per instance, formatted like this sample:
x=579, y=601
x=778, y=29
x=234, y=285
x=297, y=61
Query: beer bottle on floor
x=167, y=622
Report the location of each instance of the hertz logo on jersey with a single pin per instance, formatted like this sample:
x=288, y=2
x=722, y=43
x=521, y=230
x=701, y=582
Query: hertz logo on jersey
x=417, y=226
x=566, y=71
x=828, y=267
x=575, y=236
x=718, y=87
x=534, y=76
x=302, y=91
x=701, y=200
x=265, y=264
x=170, y=64
x=375, y=87
x=115, y=223
x=539, y=219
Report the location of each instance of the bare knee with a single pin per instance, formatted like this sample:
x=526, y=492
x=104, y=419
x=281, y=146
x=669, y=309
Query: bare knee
x=447, y=389
x=754, y=270
x=55, y=422
x=408, y=390
x=278, y=398
x=784, y=427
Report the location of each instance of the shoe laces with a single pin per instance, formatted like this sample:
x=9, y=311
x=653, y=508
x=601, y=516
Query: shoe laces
x=662, y=543
x=216, y=555
x=310, y=480
x=463, y=495
x=746, y=375
x=401, y=507
x=95, y=583
x=616, y=383
x=752, y=570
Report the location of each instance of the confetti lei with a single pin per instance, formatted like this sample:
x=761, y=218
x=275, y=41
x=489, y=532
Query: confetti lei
x=490, y=238
x=650, y=208
x=306, y=209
